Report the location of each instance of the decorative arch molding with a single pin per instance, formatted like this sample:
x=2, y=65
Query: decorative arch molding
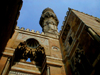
x=30, y=49
x=33, y=50
x=32, y=43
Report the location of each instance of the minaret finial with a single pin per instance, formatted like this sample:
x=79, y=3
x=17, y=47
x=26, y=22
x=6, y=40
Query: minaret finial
x=49, y=21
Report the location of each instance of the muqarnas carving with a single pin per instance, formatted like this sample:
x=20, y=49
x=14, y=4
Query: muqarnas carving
x=30, y=49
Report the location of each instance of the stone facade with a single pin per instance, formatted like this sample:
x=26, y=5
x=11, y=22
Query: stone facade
x=73, y=51
x=80, y=43
x=42, y=49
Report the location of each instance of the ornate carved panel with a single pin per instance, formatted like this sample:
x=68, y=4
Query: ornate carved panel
x=30, y=49
x=47, y=14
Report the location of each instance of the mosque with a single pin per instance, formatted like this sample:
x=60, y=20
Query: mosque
x=73, y=51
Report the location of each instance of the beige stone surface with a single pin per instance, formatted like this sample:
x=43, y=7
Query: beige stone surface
x=3, y=61
x=27, y=68
x=89, y=21
x=55, y=53
x=55, y=70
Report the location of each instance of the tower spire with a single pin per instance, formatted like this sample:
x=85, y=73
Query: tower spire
x=49, y=22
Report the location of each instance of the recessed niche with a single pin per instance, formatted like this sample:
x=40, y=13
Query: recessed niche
x=32, y=43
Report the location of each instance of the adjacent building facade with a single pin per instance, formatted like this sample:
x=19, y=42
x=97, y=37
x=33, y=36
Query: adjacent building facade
x=73, y=51
x=80, y=43
x=10, y=13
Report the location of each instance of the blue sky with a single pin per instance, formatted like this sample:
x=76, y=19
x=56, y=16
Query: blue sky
x=32, y=9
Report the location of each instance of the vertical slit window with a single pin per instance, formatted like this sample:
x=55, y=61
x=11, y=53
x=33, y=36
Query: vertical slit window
x=48, y=70
x=70, y=40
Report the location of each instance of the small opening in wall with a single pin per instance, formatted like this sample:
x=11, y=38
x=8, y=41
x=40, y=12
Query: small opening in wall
x=55, y=48
x=70, y=40
x=28, y=60
x=48, y=70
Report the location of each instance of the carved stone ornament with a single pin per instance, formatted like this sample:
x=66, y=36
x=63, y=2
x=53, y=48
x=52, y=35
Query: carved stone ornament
x=24, y=52
x=50, y=22
x=47, y=13
x=77, y=59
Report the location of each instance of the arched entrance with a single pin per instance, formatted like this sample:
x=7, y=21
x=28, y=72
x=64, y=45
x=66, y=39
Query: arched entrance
x=33, y=50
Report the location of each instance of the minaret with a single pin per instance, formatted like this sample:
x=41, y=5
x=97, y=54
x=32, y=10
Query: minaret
x=49, y=22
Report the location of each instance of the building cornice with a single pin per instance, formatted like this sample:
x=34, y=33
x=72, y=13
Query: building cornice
x=37, y=33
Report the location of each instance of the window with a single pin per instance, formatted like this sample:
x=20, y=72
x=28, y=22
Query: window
x=48, y=70
x=70, y=40
x=55, y=48
x=28, y=60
